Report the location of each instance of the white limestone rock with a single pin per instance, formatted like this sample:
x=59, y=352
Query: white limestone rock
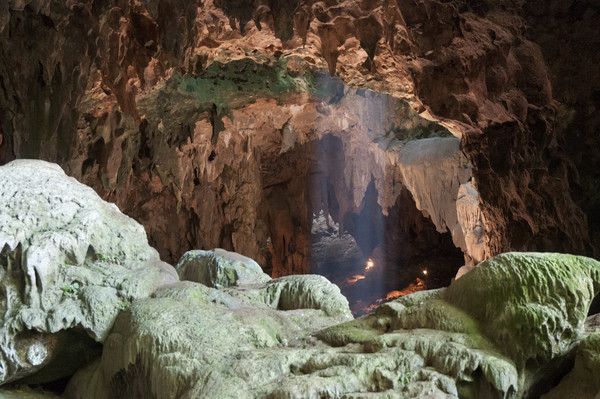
x=219, y=268
x=68, y=260
x=433, y=170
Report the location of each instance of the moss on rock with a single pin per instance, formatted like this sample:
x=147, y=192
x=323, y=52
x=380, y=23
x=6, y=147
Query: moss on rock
x=282, y=339
x=531, y=305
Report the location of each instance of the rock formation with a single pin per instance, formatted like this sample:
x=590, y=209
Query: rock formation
x=69, y=263
x=462, y=341
x=581, y=381
x=190, y=340
x=209, y=121
x=83, y=293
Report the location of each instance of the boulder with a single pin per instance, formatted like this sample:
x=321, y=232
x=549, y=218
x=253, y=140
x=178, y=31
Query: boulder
x=69, y=263
x=219, y=268
x=307, y=292
x=531, y=305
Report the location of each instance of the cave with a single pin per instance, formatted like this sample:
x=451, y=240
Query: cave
x=373, y=257
x=304, y=198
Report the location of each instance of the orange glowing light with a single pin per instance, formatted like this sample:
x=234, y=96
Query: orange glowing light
x=354, y=279
x=425, y=272
x=370, y=264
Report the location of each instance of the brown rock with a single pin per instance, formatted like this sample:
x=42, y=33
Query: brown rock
x=235, y=158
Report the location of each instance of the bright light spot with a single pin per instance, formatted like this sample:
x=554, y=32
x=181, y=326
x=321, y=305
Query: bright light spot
x=370, y=264
x=425, y=272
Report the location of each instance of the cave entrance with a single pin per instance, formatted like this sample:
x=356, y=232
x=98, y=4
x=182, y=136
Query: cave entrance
x=377, y=262
x=340, y=194
x=372, y=255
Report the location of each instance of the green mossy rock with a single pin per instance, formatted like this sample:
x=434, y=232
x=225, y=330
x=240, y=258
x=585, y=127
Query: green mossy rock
x=190, y=340
x=308, y=292
x=531, y=305
x=493, y=330
x=290, y=338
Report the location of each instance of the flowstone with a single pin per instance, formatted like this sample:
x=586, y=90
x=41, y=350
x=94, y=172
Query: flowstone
x=281, y=339
x=190, y=340
x=69, y=262
x=493, y=331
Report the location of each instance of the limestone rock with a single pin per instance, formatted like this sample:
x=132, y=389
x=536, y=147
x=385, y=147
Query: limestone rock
x=219, y=268
x=582, y=381
x=434, y=170
x=190, y=341
x=203, y=342
x=69, y=263
x=535, y=304
x=308, y=292
x=471, y=222
x=462, y=271
x=174, y=122
x=509, y=317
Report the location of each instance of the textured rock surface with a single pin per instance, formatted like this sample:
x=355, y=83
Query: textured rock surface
x=218, y=268
x=582, y=381
x=220, y=113
x=25, y=393
x=199, y=341
x=69, y=263
x=190, y=340
x=471, y=222
x=433, y=170
x=307, y=292
x=535, y=304
x=516, y=311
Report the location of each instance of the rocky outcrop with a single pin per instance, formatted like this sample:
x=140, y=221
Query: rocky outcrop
x=522, y=314
x=448, y=343
x=234, y=109
x=69, y=263
x=434, y=171
x=567, y=36
x=200, y=341
x=508, y=337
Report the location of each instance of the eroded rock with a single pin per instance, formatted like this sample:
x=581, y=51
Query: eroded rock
x=199, y=341
x=218, y=113
x=69, y=263
x=495, y=329
x=218, y=268
x=535, y=304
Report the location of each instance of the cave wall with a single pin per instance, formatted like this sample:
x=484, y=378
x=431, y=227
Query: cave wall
x=202, y=119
